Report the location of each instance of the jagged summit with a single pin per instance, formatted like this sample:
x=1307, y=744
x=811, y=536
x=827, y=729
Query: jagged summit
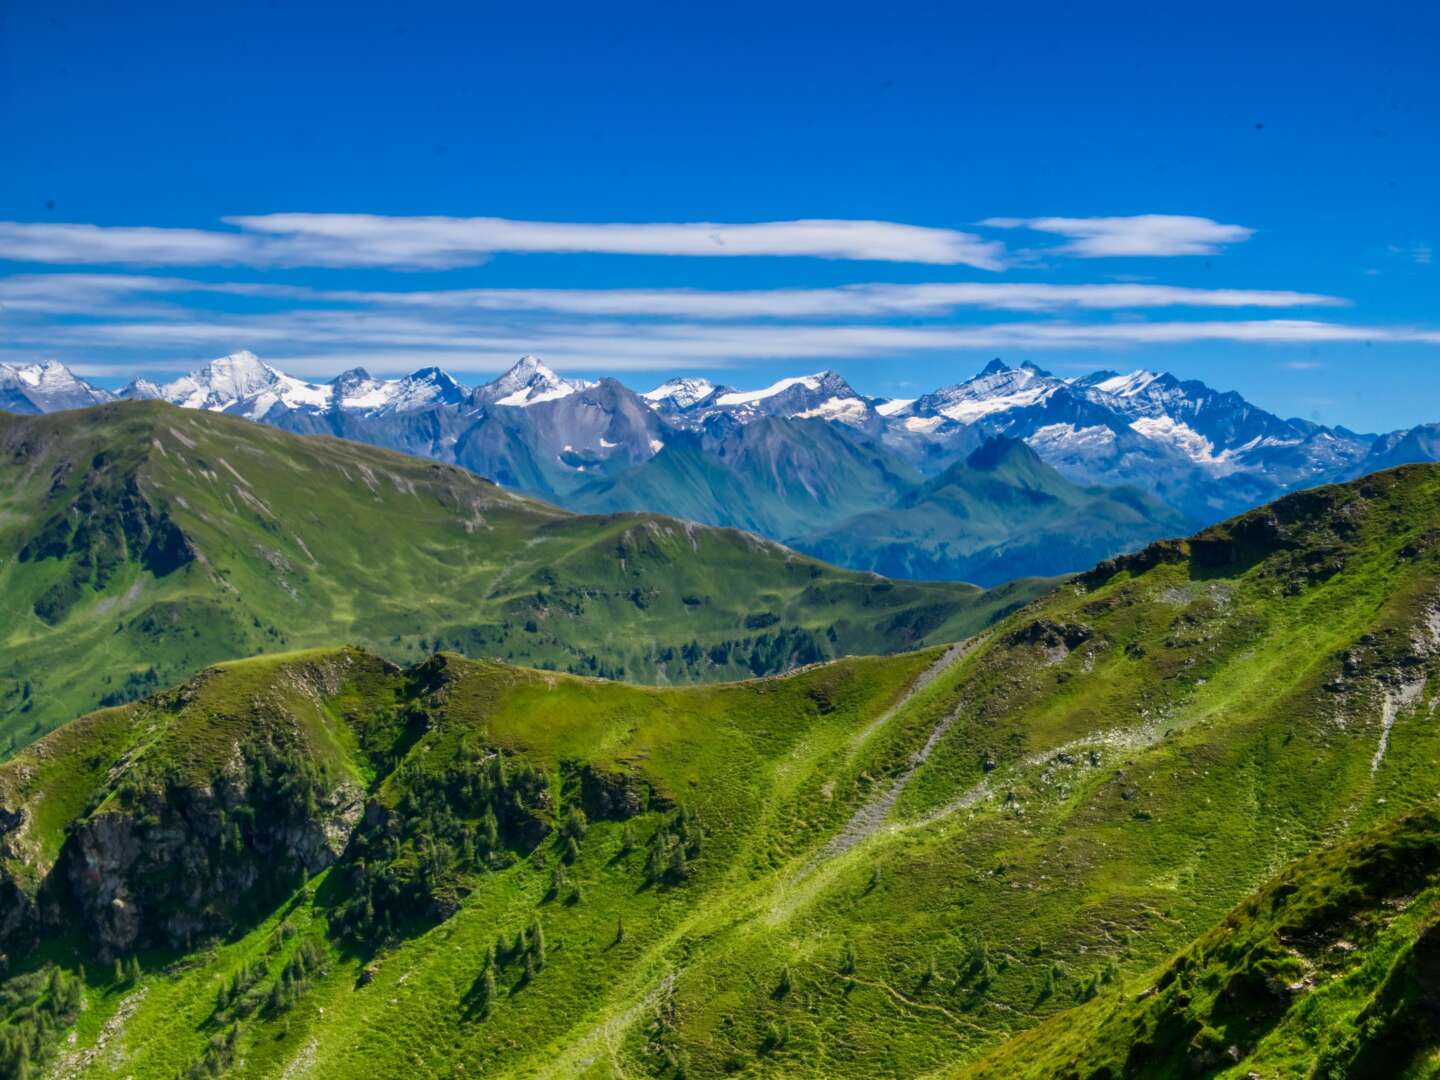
x=682, y=393
x=529, y=382
x=1204, y=451
x=47, y=386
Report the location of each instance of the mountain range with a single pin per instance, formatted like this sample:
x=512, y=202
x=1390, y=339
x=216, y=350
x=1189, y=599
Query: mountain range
x=1176, y=818
x=809, y=461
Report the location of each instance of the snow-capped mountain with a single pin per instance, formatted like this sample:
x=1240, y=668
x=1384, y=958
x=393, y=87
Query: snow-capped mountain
x=1206, y=452
x=357, y=391
x=240, y=383
x=46, y=387
x=529, y=382
x=244, y=385
x=997, y=389
x=824, y=395
x=677, y=395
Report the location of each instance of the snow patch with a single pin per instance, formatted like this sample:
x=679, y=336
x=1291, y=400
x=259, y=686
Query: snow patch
x=1181, y=436
x=893, y=406
x=1126, y=385
x=748, y=397
x=845, y=410
x=923, y=423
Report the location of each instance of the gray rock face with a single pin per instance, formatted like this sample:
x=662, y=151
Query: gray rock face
x=180, y=864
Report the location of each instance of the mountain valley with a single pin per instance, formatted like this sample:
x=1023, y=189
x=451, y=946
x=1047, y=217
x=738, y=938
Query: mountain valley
x=1173, y=817
x=140, y=542
x=800, y=461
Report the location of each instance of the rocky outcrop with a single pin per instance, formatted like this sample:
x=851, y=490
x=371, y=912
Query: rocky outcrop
x=615, y=795
x=188, y=862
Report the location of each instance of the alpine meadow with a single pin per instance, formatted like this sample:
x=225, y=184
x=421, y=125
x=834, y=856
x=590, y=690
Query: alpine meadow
x=747, y=542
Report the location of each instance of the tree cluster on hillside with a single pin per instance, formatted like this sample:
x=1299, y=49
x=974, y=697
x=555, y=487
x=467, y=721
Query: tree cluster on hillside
x=34, y=1009
x=470, y=816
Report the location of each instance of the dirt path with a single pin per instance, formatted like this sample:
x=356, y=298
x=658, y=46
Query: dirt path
x=608, y=1034
x=948, y=659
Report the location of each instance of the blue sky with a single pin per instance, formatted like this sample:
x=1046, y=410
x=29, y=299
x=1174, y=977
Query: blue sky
x=1245, y=195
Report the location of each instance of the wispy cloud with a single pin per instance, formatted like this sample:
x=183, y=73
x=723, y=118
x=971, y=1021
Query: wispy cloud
x=323, y=342
x=99, y=293
x=1140, y=235
x=369, y=240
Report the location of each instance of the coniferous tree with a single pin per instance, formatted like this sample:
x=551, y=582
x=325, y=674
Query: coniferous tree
x=485, y=993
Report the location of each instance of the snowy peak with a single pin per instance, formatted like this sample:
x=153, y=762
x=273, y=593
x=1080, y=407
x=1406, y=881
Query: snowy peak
x=679, y=393
x=46, y=387
x=816, y=382
x=223, y=383
x=141, y=390
x=823, y=395
x=998, y=388
x=357, y=390
x=424, y=388
x=1121, y=386
x=529, y=382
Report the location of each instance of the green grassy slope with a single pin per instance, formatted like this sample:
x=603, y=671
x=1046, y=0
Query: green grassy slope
x=878, y=867
x=1330, y=970
x=140, y=542
x=999, y=514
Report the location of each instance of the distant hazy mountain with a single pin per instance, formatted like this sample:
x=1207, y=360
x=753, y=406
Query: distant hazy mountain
x=45, y=388
x=1000, y=514
x=796, y=458
x=777, y=477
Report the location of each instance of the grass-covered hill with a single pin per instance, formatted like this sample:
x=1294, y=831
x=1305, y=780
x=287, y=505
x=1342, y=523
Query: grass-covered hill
x=321, y=865
x=140, y=542
x=1333, y=969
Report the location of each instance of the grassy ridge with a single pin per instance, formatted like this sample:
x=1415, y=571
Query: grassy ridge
x=140, y=542
x=876, y=867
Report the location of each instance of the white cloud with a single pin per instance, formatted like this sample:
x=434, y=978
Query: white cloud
x=328, y=341
x=139, y=245
x=97, y=293
x=340, y=240
x=443, y=241
x=1142, y=234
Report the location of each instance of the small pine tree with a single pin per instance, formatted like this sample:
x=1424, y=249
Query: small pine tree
x=847, y=965
x=485, y=991
x=782, y=987
x=576, y=823
x=619, y=930
x=928, y=975
x=134, y=970
x=119, y=975
x=627, y=839
x=537, y=944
